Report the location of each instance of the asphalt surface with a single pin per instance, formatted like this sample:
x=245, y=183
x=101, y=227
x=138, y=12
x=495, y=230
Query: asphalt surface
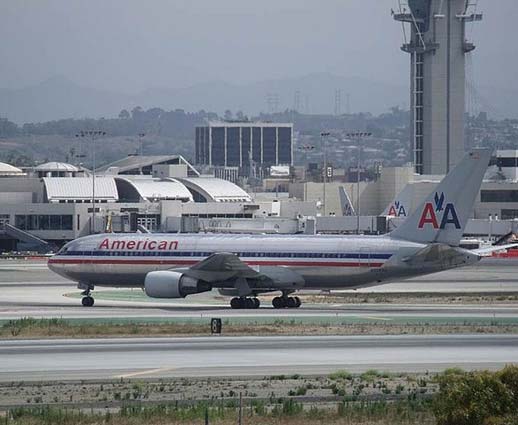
x=28, y=288
x=138, y=358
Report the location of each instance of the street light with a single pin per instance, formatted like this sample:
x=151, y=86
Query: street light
x=323, y=146
x=93, y=135
x=358, y=135
x=305, y=149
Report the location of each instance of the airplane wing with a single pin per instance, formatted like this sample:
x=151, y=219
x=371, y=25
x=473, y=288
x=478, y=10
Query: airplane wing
x=487, y=252
x=227, y=270
x=220, y=267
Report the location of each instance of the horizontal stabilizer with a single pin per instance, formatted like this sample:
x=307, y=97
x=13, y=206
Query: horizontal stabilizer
x=487, y=252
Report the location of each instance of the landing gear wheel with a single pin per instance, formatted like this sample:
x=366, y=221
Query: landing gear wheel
x=87, y=301
x=286, y=302
x=291, y=302
x=247, y=303
x=278, y=302
x=236, y=303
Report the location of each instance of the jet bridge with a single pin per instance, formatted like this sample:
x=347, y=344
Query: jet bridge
x=26, y=237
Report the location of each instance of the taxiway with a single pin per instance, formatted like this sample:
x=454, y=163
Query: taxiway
x=30, y=360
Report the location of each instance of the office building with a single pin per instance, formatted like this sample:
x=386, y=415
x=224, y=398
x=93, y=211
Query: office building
x=244, y=144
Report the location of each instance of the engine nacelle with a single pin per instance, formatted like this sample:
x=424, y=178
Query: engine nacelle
x=171, y=284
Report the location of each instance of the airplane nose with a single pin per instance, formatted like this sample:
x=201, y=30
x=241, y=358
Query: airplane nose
x=52, y=265
x=55, y=266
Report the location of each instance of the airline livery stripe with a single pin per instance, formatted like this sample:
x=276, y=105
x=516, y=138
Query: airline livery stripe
x=179, y=262
x=298, y=255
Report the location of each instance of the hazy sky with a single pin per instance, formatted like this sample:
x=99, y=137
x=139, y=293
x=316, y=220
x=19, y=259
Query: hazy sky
x=130, y=45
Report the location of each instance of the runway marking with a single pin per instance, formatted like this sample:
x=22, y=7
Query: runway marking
x=387, y=319
x=145, y=372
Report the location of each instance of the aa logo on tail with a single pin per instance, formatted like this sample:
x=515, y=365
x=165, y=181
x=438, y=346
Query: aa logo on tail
x=446, y=213
x=397, y=210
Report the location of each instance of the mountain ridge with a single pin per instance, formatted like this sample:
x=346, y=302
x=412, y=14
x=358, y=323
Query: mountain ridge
x=58, y=97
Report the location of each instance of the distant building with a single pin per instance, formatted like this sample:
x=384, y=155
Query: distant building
x=240, y=144
x=157, y=166
x=57, y=169
x=507, y=163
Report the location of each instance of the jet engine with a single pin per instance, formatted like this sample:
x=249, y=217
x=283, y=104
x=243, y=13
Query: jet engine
x=171, y=284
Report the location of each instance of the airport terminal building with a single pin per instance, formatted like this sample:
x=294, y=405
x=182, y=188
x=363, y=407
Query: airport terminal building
x=162, y=193
x=53, y=202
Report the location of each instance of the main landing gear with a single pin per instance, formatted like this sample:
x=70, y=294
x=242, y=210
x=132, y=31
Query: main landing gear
x=286, y=302
x=244, y=303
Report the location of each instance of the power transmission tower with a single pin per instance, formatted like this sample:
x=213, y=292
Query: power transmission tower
x=338, y=102
x=296, y=101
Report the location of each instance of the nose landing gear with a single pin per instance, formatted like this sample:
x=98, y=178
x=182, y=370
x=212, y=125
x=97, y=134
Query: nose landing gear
x=87, y=300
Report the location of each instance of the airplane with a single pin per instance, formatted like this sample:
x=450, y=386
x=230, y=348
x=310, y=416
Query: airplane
x=246, y=266
x=401, y=204
x=345, y=203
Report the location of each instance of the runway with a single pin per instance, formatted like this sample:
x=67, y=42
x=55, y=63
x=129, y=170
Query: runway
x=34, y=360
x=28, y=288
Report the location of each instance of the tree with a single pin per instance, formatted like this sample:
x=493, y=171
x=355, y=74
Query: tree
x=8, y=128
x=228, y=115
x=136, y=111
x=124, y=115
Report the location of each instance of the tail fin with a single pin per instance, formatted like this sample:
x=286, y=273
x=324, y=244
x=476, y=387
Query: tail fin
x=444, y=213
x=401, y=205
x=345, y=203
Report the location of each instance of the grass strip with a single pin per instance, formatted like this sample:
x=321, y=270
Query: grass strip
x=69, y=328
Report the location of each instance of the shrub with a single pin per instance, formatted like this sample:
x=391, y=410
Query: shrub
x=370, y=375
x=341, y=374
x=471, y=398
x=509, y=377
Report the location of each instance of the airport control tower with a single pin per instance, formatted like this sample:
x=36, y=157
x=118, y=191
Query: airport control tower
x=438, y=45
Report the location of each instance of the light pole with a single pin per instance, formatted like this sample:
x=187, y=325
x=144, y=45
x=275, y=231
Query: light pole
x=305, y=149
x=358, y=135
x=323, y=146
x=93, y=135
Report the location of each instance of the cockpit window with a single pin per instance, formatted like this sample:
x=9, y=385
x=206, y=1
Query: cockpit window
x=63, y=250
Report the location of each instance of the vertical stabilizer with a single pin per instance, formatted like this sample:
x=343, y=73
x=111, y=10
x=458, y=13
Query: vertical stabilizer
x=345, y=203
x=401, y=205
x=444, y=213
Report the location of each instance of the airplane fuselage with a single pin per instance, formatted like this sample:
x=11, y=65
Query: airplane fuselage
x=322, y=262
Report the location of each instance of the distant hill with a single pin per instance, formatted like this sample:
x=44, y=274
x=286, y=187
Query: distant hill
x=58, y=97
